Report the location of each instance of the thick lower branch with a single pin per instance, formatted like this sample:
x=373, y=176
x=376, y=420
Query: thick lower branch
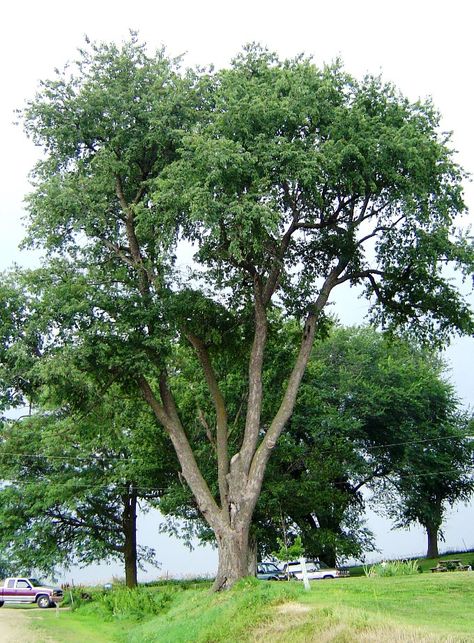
x=254, y=403
x=169, y=419
x=260, y=459
x=221, y=418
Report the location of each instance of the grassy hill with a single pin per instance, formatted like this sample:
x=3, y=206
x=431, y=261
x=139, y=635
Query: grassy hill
x=422, y=607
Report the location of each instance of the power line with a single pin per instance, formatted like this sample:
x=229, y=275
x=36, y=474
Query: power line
x=124, y=459
x=122, y=487
x=82, y=458
x=396, y=444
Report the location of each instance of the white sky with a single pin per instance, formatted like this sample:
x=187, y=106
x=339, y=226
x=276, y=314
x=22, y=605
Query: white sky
x=425, y=47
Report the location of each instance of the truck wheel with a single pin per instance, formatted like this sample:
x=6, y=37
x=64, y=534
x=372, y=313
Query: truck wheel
x=1, y=603
x=327, y=577
x=43, y=601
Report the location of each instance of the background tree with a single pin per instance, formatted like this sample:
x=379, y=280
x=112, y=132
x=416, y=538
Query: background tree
x=369, y=409
x=76, y=466
x=435, y=473
x=288, y=179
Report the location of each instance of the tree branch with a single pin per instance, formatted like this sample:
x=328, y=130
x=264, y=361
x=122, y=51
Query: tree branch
x=167, y=415
x=118, y=251
x=378, y=229
x=361, y=274
x=207, y=429
x=254, y=403
x=221, y=417
x=275, y=271
x=262, y=454
x=143, y=278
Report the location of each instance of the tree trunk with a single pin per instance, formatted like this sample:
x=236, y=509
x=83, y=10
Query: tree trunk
x=432, y=532
x=328, y=556
x=240, y=487
x=252, y=555
x=233, y=546
x=313, y=547
x=130, y=545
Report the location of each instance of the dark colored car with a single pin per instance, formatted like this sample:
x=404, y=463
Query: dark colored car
x=269, y=571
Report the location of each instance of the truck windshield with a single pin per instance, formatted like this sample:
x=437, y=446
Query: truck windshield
x=34, y=582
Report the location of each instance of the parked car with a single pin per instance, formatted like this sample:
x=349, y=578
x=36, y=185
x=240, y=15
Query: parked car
x=316, y=569
x=269, y=571
x=29, y=590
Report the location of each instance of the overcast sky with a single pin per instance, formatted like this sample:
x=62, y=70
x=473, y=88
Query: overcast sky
x=424, y=47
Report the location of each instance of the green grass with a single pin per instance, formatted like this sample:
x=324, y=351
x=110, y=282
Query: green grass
x=201, y=616
x=438, y=603
x=73, y=627
x=422, y=607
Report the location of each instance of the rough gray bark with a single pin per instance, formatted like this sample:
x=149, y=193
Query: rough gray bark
x=233, y=548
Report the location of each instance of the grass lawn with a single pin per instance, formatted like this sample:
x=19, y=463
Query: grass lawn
x=437, y=603
x=423, y=607
x=74, y=627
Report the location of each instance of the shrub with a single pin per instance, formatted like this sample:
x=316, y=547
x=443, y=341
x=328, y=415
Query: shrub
x=135, y=604
x=120, y=602
x=75, y=597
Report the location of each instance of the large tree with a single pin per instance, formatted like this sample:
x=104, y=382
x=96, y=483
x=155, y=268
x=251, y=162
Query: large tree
x=288, y=180
x=80, y=458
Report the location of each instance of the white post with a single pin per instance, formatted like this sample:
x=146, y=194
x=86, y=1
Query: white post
x=305, y=574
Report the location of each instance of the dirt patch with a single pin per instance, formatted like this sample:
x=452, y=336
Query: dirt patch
x=15, y=626
x=293, y=608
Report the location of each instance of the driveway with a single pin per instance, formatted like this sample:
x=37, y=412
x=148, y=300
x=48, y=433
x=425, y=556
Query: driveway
x=15, y=626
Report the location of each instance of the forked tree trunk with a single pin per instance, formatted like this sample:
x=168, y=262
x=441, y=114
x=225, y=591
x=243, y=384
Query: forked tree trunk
x=240, y=478
x=233, y=546
x=432, y=532
x=130, y=544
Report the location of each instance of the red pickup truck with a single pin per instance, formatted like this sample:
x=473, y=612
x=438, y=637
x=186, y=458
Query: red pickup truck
x=29, y=590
